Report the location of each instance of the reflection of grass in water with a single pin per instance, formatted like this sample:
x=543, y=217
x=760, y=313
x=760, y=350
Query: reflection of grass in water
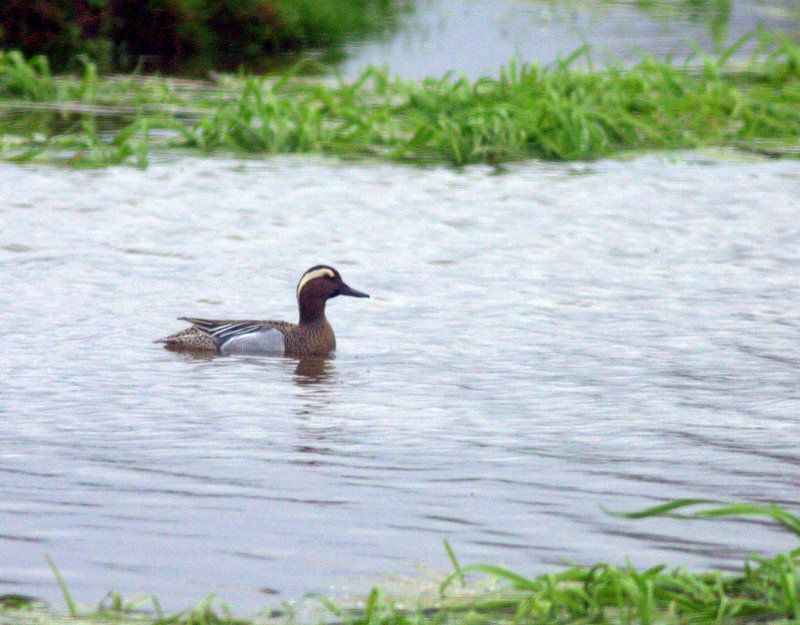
x=560, y=113
x=714, y=14
x=767, y=590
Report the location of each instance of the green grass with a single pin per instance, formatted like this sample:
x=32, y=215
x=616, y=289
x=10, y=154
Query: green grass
x=766, y=590
x=564, y=112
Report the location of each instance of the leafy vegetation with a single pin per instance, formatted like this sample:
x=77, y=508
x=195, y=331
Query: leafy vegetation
x=168, y=34
x=565, y=112
x=767, y=590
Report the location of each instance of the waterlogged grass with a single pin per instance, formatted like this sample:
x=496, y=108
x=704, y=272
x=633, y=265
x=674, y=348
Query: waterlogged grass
x=565, y=112
x=766, y=590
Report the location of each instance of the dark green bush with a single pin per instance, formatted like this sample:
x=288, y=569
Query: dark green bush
x=166, y=34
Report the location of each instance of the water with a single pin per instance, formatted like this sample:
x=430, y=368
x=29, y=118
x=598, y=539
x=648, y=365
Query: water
x=539, y=343
x=474, y=37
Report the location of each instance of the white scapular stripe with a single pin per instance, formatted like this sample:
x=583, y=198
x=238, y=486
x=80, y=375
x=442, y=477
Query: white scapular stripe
x=311, y=275
x=228, y=330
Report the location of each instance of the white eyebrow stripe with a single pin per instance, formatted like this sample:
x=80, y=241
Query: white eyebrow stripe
x=311, y=275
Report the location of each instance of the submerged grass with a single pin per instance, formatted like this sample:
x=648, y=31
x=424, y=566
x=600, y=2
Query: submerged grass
x=767, y=590
x=565, y=112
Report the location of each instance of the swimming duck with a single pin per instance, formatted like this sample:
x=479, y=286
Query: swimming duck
x=312, y=335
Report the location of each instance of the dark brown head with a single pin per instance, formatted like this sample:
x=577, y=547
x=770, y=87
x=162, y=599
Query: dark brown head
x=317, y=286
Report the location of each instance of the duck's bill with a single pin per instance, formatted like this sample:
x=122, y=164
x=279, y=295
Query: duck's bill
x=346, y=290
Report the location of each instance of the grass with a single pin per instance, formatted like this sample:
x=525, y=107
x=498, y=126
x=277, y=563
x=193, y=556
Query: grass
x=565, y=112
x=766, y=590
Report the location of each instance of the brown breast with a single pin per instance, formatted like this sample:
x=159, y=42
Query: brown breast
x=311, y=339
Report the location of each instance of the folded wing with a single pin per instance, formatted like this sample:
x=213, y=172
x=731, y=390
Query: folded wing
x=243, y=337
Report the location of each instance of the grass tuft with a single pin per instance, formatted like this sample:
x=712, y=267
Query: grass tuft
x=68, y=600
x=26, y=79
x=564, y=112
x=774, y=512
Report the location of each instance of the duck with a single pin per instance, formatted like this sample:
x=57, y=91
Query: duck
x=312, y=335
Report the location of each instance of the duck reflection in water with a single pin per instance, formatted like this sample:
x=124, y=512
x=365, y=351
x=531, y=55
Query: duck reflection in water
x=312, y=370
x=309, y=370
x=316, y=438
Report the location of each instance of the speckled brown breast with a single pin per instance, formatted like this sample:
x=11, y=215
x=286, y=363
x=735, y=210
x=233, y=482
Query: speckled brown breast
x=315, y=339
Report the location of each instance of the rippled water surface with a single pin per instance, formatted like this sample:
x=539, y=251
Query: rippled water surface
x=476, y=37
x=539, y=343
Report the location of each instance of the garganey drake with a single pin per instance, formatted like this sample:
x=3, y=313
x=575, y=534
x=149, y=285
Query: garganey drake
x=312, y=335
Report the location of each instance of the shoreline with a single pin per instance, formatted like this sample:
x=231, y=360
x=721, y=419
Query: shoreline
x=767, y=590
x=557, y=113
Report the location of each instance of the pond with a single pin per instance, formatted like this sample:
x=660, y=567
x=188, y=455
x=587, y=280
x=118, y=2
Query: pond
x=474, y=37
x=540, y=343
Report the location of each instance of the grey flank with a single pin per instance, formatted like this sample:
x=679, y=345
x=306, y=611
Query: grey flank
x=262, y=341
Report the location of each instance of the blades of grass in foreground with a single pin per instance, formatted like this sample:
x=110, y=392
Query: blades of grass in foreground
x=71, y=605
x=766, y=590
x=454, y=561
x=660, y=510
x=775, y=512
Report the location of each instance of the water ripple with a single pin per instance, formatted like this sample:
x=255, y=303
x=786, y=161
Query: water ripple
x=541, y=344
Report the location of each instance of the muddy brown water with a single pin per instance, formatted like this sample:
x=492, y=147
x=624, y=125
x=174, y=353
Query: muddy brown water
x=540, y=343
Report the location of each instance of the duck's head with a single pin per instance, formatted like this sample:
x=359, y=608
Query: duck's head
x=318, y=285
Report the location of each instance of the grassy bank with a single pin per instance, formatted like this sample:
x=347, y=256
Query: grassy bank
x=767, y=590
x=565, y=112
